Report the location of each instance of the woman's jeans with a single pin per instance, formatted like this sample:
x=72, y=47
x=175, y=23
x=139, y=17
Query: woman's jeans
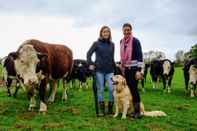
x=101, y=79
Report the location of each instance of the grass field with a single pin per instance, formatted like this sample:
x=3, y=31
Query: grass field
x=78, y=112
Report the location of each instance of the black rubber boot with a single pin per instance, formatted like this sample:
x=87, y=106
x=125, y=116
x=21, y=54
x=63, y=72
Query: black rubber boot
x=136, y=114
x=110, y=108
x=101, y=109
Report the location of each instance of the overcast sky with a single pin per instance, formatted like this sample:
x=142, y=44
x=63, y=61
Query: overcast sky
x=165, y=25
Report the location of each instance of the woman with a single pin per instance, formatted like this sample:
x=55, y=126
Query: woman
x=131, y=64
x=104, y=66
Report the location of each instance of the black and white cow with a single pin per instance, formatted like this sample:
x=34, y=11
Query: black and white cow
x=190, y=75
x=144, y=72
x=9, y=73
x=162, y=69
x=80, y=72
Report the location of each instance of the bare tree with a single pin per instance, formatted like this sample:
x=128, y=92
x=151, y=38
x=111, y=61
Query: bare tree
x=180, y=56
x=151, y=55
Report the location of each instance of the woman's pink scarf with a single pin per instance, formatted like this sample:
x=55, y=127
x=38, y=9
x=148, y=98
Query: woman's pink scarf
x=126, y=52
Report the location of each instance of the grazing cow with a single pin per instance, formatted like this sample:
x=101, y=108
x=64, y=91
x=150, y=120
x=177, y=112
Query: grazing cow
x=37, y=62
x=163, y=69
x=190, y=75
x=9, y=73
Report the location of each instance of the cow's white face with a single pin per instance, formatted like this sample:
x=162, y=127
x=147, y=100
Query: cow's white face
x=25, y=65
x=193, y=75
x=166, y=67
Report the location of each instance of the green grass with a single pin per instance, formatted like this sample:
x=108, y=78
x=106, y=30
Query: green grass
x=78, y=112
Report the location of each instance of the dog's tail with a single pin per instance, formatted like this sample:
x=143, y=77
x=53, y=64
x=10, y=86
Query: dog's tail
x=154, y=113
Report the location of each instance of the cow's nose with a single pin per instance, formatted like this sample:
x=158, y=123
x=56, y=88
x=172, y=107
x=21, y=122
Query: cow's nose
x=193, y=82
x=165, y=74
x=32, y=82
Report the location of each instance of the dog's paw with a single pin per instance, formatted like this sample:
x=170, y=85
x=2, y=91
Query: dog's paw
x=115, y=115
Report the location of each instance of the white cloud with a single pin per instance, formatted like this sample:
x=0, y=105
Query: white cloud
x=60, y=30
x=160, y=25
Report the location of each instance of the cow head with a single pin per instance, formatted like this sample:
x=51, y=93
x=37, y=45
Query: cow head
x=26, y=63
x=166, y=68
x=80, y=72
x=193, y=75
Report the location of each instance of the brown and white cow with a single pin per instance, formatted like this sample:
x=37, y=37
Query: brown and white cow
x=38, y=62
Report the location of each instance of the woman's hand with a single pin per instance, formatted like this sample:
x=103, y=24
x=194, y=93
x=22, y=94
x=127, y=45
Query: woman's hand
x=138, y=75
x=92, y=67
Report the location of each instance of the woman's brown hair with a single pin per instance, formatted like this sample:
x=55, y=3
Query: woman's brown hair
x=100, y=34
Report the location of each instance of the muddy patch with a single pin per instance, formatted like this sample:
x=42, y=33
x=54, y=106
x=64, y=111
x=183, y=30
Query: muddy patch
x=154, y=127
x=183, y=107
x=27, y=116
x=52, y=126
x=4, y=110
x=119, y=128
x=20, y=126
x=74, y=111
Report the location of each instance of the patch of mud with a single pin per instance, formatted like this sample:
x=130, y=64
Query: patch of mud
x=182, y=107
x=52, y=126
x=20, y=126
x=154, y=127
x=74, y=111
x=119, y=128
x=27, y=115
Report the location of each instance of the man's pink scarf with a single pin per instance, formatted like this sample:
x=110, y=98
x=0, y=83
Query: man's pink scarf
x=126, y=49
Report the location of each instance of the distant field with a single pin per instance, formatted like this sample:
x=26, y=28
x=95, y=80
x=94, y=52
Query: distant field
x=78, y=112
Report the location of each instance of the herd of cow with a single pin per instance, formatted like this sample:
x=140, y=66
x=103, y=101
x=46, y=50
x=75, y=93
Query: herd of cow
x=36, y=63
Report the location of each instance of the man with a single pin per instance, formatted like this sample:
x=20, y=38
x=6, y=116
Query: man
x=131, y=64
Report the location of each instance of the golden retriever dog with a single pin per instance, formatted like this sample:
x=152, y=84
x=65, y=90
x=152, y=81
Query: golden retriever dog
x=123, y=99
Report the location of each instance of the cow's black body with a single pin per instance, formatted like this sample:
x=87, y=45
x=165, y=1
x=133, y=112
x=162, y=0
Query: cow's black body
x=80, y=71
x=146, y=71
